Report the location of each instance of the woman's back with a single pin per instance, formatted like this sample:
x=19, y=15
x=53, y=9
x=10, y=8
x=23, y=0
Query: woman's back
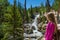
x=50, y=28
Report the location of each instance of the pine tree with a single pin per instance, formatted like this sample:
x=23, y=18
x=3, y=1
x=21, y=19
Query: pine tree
x=17, y=28
x=1, y=20
x=26, y=14
x=48, y=5
x=20, y=9
x=14, y=20
x=31, y=12
x=3, y=6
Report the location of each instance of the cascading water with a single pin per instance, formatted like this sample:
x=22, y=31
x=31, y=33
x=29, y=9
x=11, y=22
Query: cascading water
x=35, y=23
x=35, y=33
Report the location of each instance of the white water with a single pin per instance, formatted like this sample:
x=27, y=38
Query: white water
x=35, y=33
x=35, y=23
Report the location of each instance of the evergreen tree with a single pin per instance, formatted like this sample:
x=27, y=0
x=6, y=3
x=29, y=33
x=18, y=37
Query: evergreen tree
x=48, y=5
x=14, y=21
x=26, y=14
x=31, y=12
x=17, y=28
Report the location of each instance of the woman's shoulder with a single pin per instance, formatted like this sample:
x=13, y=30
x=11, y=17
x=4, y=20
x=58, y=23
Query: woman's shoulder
x=51, y=23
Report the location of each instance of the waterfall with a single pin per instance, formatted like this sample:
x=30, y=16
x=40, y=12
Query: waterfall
x=35, y=22
x=35, y=33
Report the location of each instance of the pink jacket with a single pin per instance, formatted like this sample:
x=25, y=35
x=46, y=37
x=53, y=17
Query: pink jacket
x=49, y=31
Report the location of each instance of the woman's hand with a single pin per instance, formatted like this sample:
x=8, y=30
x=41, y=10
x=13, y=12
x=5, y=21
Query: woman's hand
x=45, y=14
x=43, y=39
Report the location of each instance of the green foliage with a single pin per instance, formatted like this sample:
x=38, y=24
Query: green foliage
x=7, y=22
x=56, y=5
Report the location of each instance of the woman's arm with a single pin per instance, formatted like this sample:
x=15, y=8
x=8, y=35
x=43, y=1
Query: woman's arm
x=47, y=29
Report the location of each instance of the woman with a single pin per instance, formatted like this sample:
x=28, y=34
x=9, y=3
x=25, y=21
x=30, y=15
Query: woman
x=51, y=27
